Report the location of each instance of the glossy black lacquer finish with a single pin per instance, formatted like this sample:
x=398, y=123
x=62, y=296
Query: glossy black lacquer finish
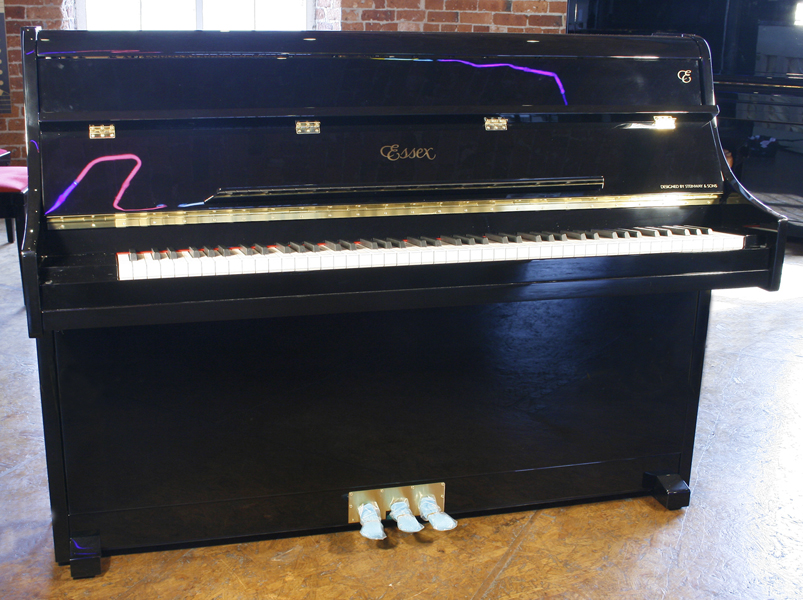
x=265, y=426
x=187, y=411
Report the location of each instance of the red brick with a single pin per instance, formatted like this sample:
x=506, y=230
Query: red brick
x=381, y=27
x=432, y=27
x=352, y=27
x=533, y=30
x=538, y=7
x=15, y=124
x=558, y=7
x=379, y=3
x=404, y=4
x=510, y=20
x=433, y=4
x=410, y=26
x=494, y=5
x=15, y=12
x=449, y=27
x=460, y=5
x=483, y=18
x=515, y=29
x=44, y=12
x=357, y=4
x=378, y=15
x=350, y=16
x=464, y=28
x=441, y=17
x=410, y=15
x=545, y=20
x=480, y=28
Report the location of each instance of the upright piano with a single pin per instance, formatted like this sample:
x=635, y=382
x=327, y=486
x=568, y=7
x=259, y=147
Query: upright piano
x=272, y=274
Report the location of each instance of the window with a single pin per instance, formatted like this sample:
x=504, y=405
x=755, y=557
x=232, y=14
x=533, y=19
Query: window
x=799, y=14
x=223, y=15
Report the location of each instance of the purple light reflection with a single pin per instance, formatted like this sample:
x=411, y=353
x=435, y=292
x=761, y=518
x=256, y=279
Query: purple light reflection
x=517, y=68
x=113, y=157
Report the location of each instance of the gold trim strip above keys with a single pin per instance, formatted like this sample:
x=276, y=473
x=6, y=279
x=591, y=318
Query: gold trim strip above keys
x=348, y=211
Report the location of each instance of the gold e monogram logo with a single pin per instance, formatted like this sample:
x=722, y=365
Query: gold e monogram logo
x=393, y=153
x=685, y=76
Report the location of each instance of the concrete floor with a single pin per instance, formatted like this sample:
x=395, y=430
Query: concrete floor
x=742, y=536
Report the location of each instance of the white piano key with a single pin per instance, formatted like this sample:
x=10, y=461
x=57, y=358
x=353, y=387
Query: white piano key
x=168, y=268
x=139, y=268
x=125, y=271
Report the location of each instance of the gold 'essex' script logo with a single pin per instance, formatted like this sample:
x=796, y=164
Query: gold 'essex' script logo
x=393, y=153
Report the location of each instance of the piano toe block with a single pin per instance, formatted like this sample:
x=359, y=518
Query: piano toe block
x=85, y=556
x=669, y=489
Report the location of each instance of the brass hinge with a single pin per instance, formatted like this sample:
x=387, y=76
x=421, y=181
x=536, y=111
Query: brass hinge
x=305, y=127
x=101, y=132
x=495, y=124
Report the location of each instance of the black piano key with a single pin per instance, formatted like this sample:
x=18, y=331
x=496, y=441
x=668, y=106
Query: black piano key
x=155, y=254
x=480, y=239
x=397, y=243
x=171, y=254
x=223, y=251
x=464, y=239
x=607, y=233
x=574, y=235
x=432, y=241
x=383, y=243
x=312, y=247
x=530, y=237
x=634, y=233
x=453, y=241
x=495, y=237
x=591, y=235
x=556, y=236
x=678, y=230
x=647, y=232
x=296, y=247
x=417, y=242
x=513, y=238
x=260, y=249
x=544, y=236
x=194, y=252
x=246, y=250
x=283, y=249
x=368, y=244
x=133, y=256
x=334, y=246
x=348, y=245
x=210, y=252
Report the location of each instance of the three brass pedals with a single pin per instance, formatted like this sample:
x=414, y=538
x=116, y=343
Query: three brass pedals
x=401, y=504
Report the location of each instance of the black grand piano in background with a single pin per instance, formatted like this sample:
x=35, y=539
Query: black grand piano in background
x=270, y=272
x=757, y=51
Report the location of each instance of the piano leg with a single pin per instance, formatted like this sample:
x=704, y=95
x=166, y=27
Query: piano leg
x=670, y=490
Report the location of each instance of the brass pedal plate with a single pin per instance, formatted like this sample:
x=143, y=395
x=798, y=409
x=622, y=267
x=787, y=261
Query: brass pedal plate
x=385, y=496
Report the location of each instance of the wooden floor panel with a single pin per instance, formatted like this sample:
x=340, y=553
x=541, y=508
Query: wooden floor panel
x=742, y=536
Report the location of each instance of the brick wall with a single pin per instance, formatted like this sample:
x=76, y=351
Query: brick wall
x=48, y=14
x=506, y=16
x=327, y=14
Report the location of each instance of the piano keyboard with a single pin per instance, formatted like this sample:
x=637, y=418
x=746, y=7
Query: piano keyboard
x=364, y=253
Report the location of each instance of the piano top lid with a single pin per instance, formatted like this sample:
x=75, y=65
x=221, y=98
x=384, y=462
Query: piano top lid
x=63, y=43
x=119, y=76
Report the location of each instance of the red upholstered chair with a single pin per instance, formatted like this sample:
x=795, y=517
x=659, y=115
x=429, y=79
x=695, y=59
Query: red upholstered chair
x=13, y=184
